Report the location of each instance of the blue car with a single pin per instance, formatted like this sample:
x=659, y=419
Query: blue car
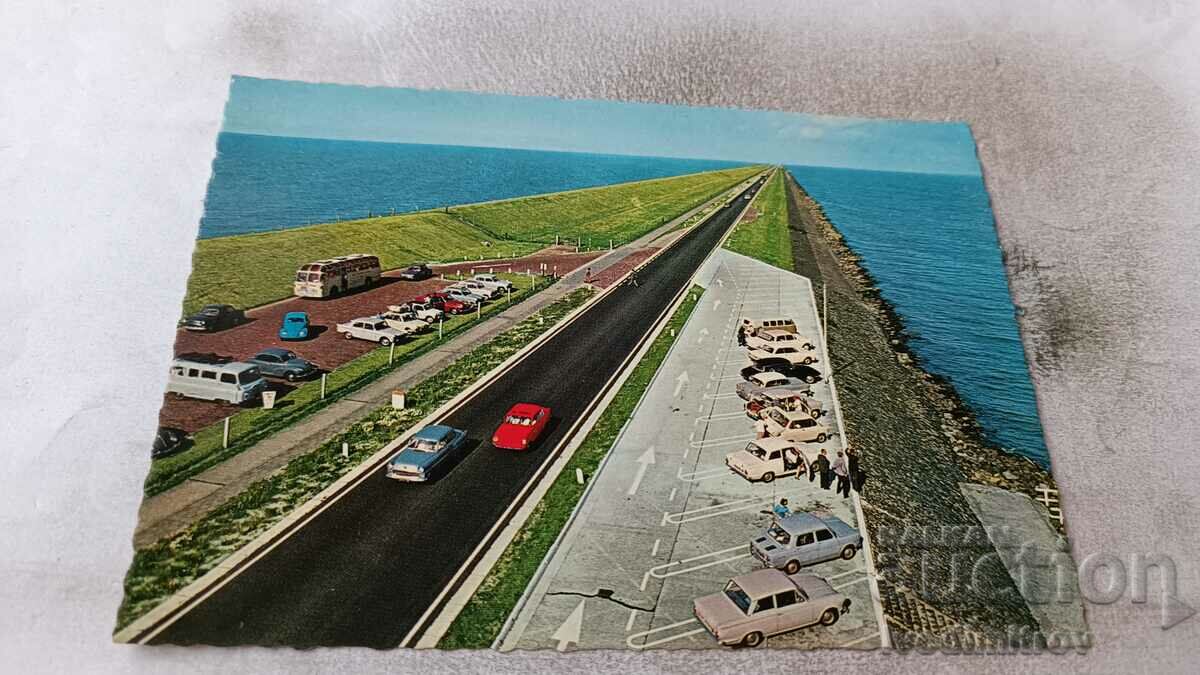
x=295, y=326
x=429, y=450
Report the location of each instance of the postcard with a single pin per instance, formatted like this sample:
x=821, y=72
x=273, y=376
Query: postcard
x=469, y=371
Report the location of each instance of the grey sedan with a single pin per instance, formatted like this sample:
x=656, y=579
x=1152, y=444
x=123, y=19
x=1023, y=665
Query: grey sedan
x=276, y=362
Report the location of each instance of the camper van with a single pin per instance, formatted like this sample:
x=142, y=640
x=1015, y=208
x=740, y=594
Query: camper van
x=233, y=382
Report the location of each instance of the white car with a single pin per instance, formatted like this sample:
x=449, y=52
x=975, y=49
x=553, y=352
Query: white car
x=370, y=328
x=479, y=288
x=494, y=281
x=425, y=312
x=406, y=322
x=464, y=296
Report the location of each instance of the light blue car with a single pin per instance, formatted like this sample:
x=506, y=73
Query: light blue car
x=429, y=450
x=804, y=539
x=295, y=326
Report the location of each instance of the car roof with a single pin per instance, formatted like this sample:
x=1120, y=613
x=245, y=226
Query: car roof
x=434, y=432
x=230, y=367
x=290, y=315
x=775, y=332
x=773, y=443
x=277, y=351
x=800, y=522
x=524, y=409
x=780, y=392
x=794, y=414
x=764, y=582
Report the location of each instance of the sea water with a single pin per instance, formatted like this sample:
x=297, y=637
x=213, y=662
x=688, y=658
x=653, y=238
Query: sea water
x=930, y=242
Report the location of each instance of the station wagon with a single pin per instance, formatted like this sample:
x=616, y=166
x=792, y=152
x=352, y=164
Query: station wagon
x=784, y=399
x=795, y=426
x=804, y=539
x=759, y=381
x=776, y=336
x=766, y=459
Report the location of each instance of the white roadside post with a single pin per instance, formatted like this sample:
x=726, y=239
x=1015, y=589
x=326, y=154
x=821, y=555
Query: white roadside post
x=508, y=296
x=225, y=435
x=398, y=399
x=479, y=310
x=345, y=450
x=440, y=327
x=323, y=376
x=268, y=399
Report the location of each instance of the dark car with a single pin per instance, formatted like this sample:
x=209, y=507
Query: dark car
x=214, y=317
x=807, y=374
x=167, y=441
x=276, y=362
x=416, y=272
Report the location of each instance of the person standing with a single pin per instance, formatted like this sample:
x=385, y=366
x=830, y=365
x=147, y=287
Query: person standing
x=741, y=332
x=824, y=470
x=843, y=474
x=856, y=472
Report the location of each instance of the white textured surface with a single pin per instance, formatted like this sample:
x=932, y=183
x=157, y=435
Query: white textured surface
x=1086, y=119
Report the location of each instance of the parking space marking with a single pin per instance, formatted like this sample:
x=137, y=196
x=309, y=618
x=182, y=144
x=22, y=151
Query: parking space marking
x=725, y=440
x=858, y=640
x=851, y=582
x=629, y=621
x=654, y=551
x=732, y=394
x=701, y=474
x=658, y=573
x=718, y=509
x=718, y=416
x=672, y=497
x=631, y=641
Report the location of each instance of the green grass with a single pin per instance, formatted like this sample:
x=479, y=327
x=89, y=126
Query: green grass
x=250, y=426
x=766, y=237
x=483, y=616
x=620, y=212
x=161, y=569
x=254, y=269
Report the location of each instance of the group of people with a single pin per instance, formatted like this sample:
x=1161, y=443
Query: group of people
x=845, y=468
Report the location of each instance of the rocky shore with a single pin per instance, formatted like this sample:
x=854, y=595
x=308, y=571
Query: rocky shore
x=941, y=581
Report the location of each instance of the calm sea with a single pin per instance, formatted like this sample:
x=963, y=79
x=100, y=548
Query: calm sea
x=270, y=182
x=930, y=241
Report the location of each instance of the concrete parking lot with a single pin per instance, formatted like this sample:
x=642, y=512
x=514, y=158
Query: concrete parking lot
x=665, y=521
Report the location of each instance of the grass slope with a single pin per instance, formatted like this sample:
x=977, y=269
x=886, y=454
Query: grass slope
x=766, y=237
x=254, y=269
x=619, y=212
x=483, y=616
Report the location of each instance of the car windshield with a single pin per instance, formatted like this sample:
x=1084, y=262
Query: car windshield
x=778, y=417
x=756, y=451
x=295, y=319
x=210, y=311
x=247, y=376
x=519, y=421
x=738, y=596
x=778, y=534
x=425, y=445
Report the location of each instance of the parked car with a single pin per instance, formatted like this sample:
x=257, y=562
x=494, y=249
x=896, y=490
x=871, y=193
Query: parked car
x=755, y=606
x=370, y=328
x=416, y=272
x=784, y=399
x=427, y=452
x=214, y=317
x=424, y=311
x=781, y=353
x=794, y=426
x=294, y=326
x=464, y=296
x=760, y=380
x=444, y=302
x=522, y=426
x=167, y=441
x=804, y=539
x=766, y=459
x=276, y=362
x=232, y=381
x=485, y=291
x=405, y=322
x=493, y=280
x=775, y=336
x=807, y=374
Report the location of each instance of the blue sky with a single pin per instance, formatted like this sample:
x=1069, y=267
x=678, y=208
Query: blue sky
x=282, y=108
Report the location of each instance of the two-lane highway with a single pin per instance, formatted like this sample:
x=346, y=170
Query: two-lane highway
x=365, y=570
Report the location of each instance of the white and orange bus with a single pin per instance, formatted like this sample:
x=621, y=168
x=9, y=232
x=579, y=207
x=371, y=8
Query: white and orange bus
x=333, y=277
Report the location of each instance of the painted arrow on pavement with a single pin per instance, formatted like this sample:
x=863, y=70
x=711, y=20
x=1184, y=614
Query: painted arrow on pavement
x=644, y=461
x=570, y=629
x=679, y=383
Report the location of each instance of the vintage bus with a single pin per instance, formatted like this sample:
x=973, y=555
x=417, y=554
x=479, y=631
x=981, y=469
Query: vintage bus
x=330, y=278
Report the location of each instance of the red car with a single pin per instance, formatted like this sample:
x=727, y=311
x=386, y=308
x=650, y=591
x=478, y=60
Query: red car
x=521, y=427
x=443, y=302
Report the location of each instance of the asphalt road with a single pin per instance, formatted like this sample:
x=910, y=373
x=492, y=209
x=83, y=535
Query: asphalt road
x=365, y=569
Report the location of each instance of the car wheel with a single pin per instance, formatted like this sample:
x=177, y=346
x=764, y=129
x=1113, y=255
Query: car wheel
x=792, y=567
x=807, y=360
x=768, y=477
x=756, y=638
x=348, y=336
x=429, y=319
x=829, y=617
x=848, y=552
x=816, y=414
x=810, y=379
x=821, y=438
x=385, y=341
x=290, y=377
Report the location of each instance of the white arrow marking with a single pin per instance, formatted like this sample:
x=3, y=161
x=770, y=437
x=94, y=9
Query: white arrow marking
x=721, y=283
x=644, y=461
x=569, y=631
x=703, y=332
x=679, y=382
x=716, y=305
